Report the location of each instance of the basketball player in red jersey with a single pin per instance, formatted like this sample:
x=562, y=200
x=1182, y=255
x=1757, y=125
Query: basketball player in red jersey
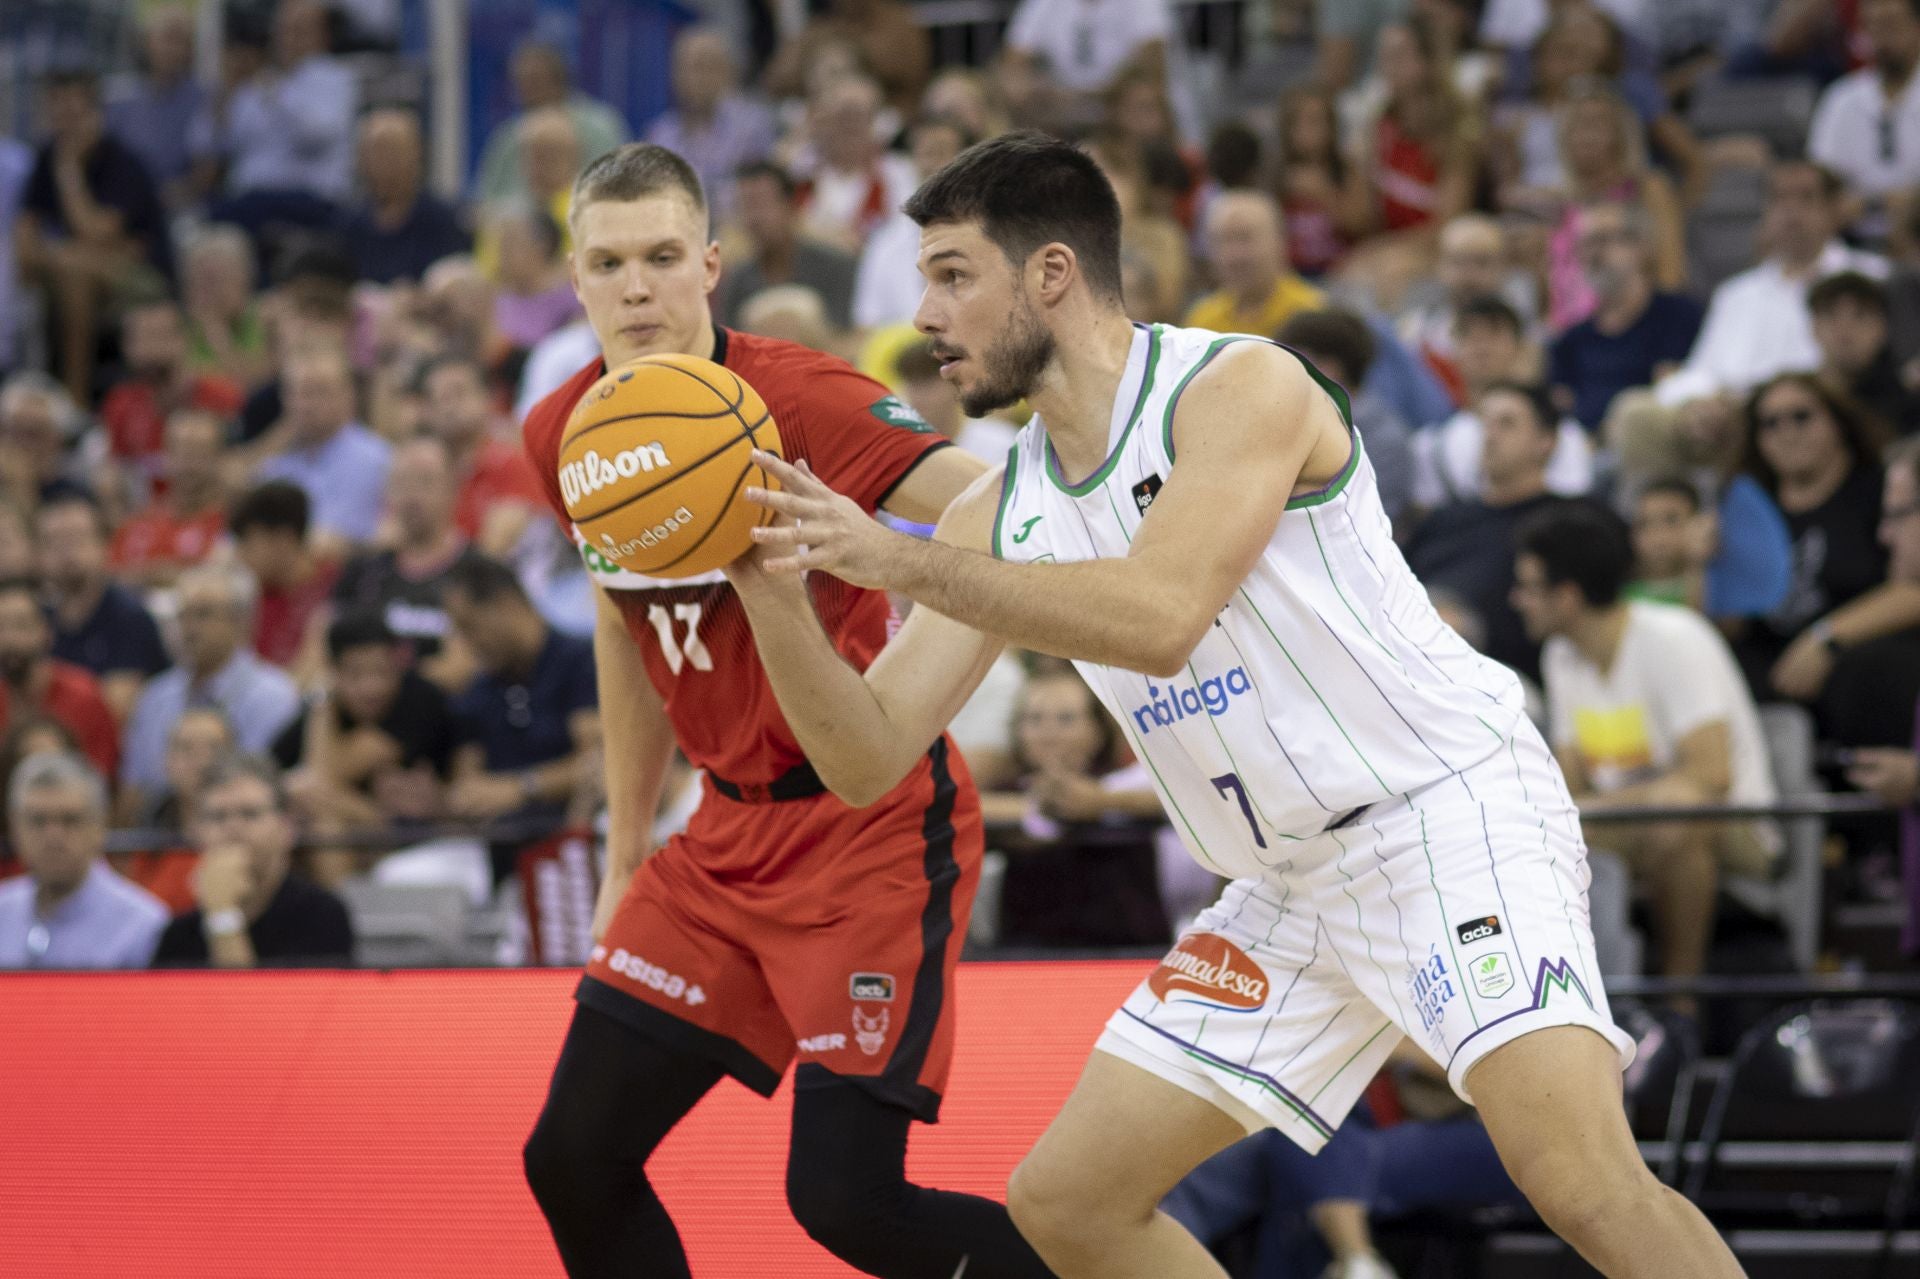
x=782, y=924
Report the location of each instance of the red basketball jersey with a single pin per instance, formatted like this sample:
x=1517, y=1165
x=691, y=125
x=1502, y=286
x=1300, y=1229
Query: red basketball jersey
x=693, y=632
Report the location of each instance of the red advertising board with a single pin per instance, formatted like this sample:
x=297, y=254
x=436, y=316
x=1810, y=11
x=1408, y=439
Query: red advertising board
x=293, y=1124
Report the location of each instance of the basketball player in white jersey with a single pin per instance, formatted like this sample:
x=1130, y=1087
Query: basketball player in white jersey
x=1192, y=519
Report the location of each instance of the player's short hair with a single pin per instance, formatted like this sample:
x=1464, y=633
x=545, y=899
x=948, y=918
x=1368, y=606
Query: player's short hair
x=1849, y=286
x=1545, y=416
x=1673, y=486
x=1338, y=335
x=635, y=171
x=485, y=580
x=1580, y=541
x=1026, y=190
x=361, y=628
x=277, y=506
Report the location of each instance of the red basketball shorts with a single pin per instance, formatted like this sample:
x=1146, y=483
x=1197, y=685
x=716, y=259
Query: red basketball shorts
x=805, y=929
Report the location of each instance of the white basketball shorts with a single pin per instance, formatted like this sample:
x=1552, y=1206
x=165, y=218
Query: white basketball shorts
x=1456, y=915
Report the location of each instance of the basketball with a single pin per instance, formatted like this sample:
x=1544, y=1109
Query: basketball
x=654, y=461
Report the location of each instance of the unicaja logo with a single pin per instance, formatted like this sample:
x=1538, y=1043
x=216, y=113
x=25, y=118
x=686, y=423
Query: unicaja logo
x=1206, y=968
x=592, y=473
x=1209, y=697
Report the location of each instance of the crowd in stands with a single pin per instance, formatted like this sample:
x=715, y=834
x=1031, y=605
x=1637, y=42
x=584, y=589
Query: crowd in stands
x=275, y=571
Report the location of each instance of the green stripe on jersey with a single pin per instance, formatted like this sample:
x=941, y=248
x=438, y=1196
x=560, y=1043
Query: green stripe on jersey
x=1099, y=477
x=1006, y=493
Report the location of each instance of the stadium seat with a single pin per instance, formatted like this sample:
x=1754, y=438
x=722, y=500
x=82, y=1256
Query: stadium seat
x=408, y=925
x=1793, y=895
x=1778, y=110
x=1821, y=1107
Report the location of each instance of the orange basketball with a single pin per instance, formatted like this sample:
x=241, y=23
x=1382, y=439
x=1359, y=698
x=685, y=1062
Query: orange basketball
x=654, y=460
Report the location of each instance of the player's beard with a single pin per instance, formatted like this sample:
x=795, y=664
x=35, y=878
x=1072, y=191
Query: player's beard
x=1013, y=364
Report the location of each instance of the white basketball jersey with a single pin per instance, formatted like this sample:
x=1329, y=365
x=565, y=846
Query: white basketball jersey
x=1327, y=683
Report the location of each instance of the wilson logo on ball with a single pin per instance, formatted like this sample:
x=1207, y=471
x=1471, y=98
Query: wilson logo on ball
x=1206, y=968
x=592, y=473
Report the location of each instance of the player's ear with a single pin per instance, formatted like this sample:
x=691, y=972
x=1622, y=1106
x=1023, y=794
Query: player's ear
x=711, y=261
x=1058, y=267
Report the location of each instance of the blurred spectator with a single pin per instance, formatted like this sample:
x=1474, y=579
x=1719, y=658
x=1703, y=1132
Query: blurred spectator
x=1320, y=196
x=550, y=158
x=848, y=182
x=91, y=231
x=1340, y=346
x=1817, y=456
x=917, y=374
x=531, y=717
x=297, y=320
x=1422, y=150
x=1867, y=126
x=553, y=359
x=1635, y=333
x=1490, y=350
x=16, y=165
x=98, y=624
x=1673, y=541
x=158, y=382
x=377, y=747
x=271, y=525
x=1081, y=868
x=154, y=114
x=286, y=133
x=1757, y=324
x=29, y=737
x=33, y=683
x=1083, y=45
x=457, y=300
x=541, y=79
x=1646, y=706
x=17, y=558
x=963, y=95
x=398, y=229
x=225, y=333
x=1860, y=664
x=767, y=202
x=1604, y=158
x=1466, y=546
x=1154, y=255
x=712, y=125
x=792, y=313
x=39, y=425
x=253, y=909
x=1346, y=32
x=535, y=295
x=498, y=491
x=887, y=286
x=407, y=583
x=1472, y=264
x=217, y=667
x=69, y=910
x=1851, y=324
x=200, y=737
x=341, y=464
x=181, y=527
x=884, y=37
x=1246, y=248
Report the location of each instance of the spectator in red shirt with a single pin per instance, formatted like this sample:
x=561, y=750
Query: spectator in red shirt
x=270, y=531
x=158, y=381
x=32, y=683
x=179, y=529
x=498, y=490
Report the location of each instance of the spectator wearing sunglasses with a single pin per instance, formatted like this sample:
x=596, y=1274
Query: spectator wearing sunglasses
x=69, y=910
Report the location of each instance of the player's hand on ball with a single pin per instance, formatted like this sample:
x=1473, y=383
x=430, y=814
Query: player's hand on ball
x=821, y=529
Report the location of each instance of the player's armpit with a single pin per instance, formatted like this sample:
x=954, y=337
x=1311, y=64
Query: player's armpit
x=1248, y=430
x=936, y=480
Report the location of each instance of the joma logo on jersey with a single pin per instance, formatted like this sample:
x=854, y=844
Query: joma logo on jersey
x=592, y=473
x=1209, y=697
x=1206, y=968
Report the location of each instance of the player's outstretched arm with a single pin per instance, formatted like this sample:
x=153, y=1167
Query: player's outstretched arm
x=862, y=734
x=1244, y=429
x=637, y=743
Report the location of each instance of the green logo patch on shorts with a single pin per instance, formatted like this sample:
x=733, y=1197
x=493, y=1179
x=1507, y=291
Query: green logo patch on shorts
x=1492, y=976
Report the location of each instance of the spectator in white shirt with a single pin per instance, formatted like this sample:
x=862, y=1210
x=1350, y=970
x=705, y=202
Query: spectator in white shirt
x=1867, y=126
x=1757, y=324
x=289, y=130
x=1084, y=44
x=1646, y=706
x=887, y=288
x=850, y=182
